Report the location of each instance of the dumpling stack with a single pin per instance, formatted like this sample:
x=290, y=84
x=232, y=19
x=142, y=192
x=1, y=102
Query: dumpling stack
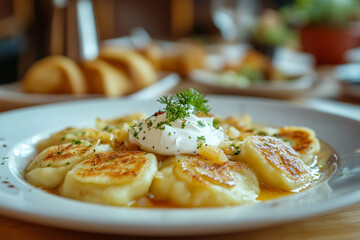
x=101, y=166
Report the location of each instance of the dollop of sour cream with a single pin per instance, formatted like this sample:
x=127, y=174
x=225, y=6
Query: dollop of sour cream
x=156, y=134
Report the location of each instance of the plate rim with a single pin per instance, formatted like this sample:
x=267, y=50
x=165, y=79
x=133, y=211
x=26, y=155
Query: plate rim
x=211, y=98
x=268, y=89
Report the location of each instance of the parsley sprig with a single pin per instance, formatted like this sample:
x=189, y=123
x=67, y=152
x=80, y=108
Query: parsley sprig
x=181, y=105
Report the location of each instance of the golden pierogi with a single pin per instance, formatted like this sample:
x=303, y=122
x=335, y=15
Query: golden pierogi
x=180, y=156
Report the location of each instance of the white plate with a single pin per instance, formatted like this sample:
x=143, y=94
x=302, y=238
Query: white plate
x=301, y=87
x=21, y=129
x=349, y=77
x=12, y=96
x=289, y=62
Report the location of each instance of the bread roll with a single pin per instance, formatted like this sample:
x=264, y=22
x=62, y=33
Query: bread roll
x=136, y=66
x=55, y=74
x=103, y=78
x=152, y=52
x=183, y=59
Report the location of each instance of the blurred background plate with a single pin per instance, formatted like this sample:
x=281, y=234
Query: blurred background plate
x=300, y=87
x=349, y=77
x=241, y=69
x=12, y=96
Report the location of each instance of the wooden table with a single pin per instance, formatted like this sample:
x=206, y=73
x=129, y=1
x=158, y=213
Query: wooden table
x=341, y=224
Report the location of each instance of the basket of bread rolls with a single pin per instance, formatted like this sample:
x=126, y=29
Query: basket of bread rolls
x=115, y=72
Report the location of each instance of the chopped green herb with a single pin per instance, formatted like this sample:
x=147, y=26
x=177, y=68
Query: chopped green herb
x=149, y=123
x=169, y=133
x=68, y=163
x=161, y=124
x=97, y=155
x=201, y=138
x=59, y=152
x=136, y=133
x=181, y=105
x=49, y=165
x=261, y=133
x=236, y=147
x=236, y=152
x=76, y=142
x=200, y=141
x=216, y=123
x=183, y=124
x=201, y=123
